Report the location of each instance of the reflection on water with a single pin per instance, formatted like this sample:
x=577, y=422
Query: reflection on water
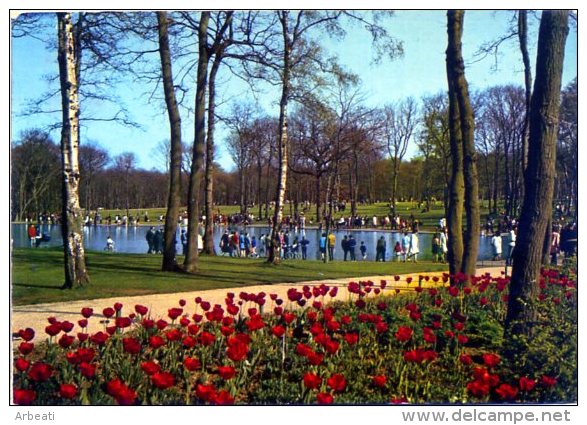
x=132, y=239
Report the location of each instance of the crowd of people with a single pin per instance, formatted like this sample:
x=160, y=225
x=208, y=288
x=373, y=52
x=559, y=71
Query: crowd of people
x=502, y=231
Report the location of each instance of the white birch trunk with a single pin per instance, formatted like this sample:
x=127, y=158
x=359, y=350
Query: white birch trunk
x=74, y=255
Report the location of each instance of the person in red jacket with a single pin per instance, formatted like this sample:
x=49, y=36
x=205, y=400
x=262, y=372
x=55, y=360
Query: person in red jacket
x=32, y=232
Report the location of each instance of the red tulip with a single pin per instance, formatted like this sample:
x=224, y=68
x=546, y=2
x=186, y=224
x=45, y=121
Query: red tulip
x=324, y=398
x=24, y=397
x=68, y=391
x=27, y=334
x=21, y=364
x=163, y=380
x=312, y=381
x=526, y=384
x=108, y=312
x=141, y=309
x=337, y=382
x=87, y=312
x=379, y=381
x=131, y=345
x=403, y=334
x=491, y=359
x=191, y=364
x=226, y=372
x=40, y=372
x=88, y=370
x=506, y=392
x=26, y=347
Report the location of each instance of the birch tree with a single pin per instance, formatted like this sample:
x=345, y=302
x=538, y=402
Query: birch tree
x=72, y=220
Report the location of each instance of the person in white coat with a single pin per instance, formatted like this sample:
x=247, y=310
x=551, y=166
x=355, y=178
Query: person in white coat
x=414, y=248
x=444, y=244
x=496, y=244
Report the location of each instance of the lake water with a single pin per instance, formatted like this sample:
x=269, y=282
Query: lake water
x=131, y=239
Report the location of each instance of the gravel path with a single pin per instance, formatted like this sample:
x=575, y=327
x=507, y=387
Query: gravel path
x=35, y=316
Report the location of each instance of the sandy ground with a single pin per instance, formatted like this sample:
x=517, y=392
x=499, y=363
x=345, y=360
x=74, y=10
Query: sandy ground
x=35, y=316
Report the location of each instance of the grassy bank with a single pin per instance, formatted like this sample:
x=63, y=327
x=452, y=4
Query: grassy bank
x=429, y=219
x=38, y=274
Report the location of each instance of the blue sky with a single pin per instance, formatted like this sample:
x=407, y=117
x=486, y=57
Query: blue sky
x=420, y=72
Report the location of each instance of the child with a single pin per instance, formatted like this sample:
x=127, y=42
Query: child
x=109, y=244
x=436, y=249
x=363, y=250
x=397, y=249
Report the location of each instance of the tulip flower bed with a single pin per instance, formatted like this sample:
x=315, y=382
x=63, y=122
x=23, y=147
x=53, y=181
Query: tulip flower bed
x=433, y=345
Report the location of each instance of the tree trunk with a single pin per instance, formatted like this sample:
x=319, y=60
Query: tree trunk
x=172, y=214
x=318, y=204
x=259, y=176
x=72, y=220
x=282, y=151
x=457, y=184
x=191, y=258
x=268, y=180
x=242, y=186
x=355, y=189
x=467, y=127
x=523, y=40
x=209, y=248
x=539, y=178
x=394, y=182
x=495, y=178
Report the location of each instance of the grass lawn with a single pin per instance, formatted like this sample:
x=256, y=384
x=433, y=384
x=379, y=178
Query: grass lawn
x=405, y=209
x=38, y=274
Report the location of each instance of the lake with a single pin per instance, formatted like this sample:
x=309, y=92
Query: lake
x=131, y=239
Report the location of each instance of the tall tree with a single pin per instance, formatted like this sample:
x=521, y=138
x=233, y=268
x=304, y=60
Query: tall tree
x=35, y=174
x=539, y=178
x=457, y=183
x=125, y=162
x=73, y=248
x=92, y=159
x=191, y=258
x=523, y=41
x=459, y=86
x=400, y=122
x=175, y=156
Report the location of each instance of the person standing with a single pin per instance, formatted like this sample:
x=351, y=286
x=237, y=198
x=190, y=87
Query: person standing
x=304, y=244
x=511, y=245
x=323, y=243
x=331, y=245
x=184, y=241
x=351, y=246
x=344, y=244
x=262, y=245
x=555, y=245
x=380, y=249
x=241, y=239
x=405, y=245
x=158, y=241
x=254, y=247
x=225, y=243
x=444, y=244
x=295, y=248
x=436, y=250
x=32, y=232
x=363, y=249
x=496, y=244
x=151, y=240
x=414, y=246
x=397, y=250
x=109, y=244
x=247, y=243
